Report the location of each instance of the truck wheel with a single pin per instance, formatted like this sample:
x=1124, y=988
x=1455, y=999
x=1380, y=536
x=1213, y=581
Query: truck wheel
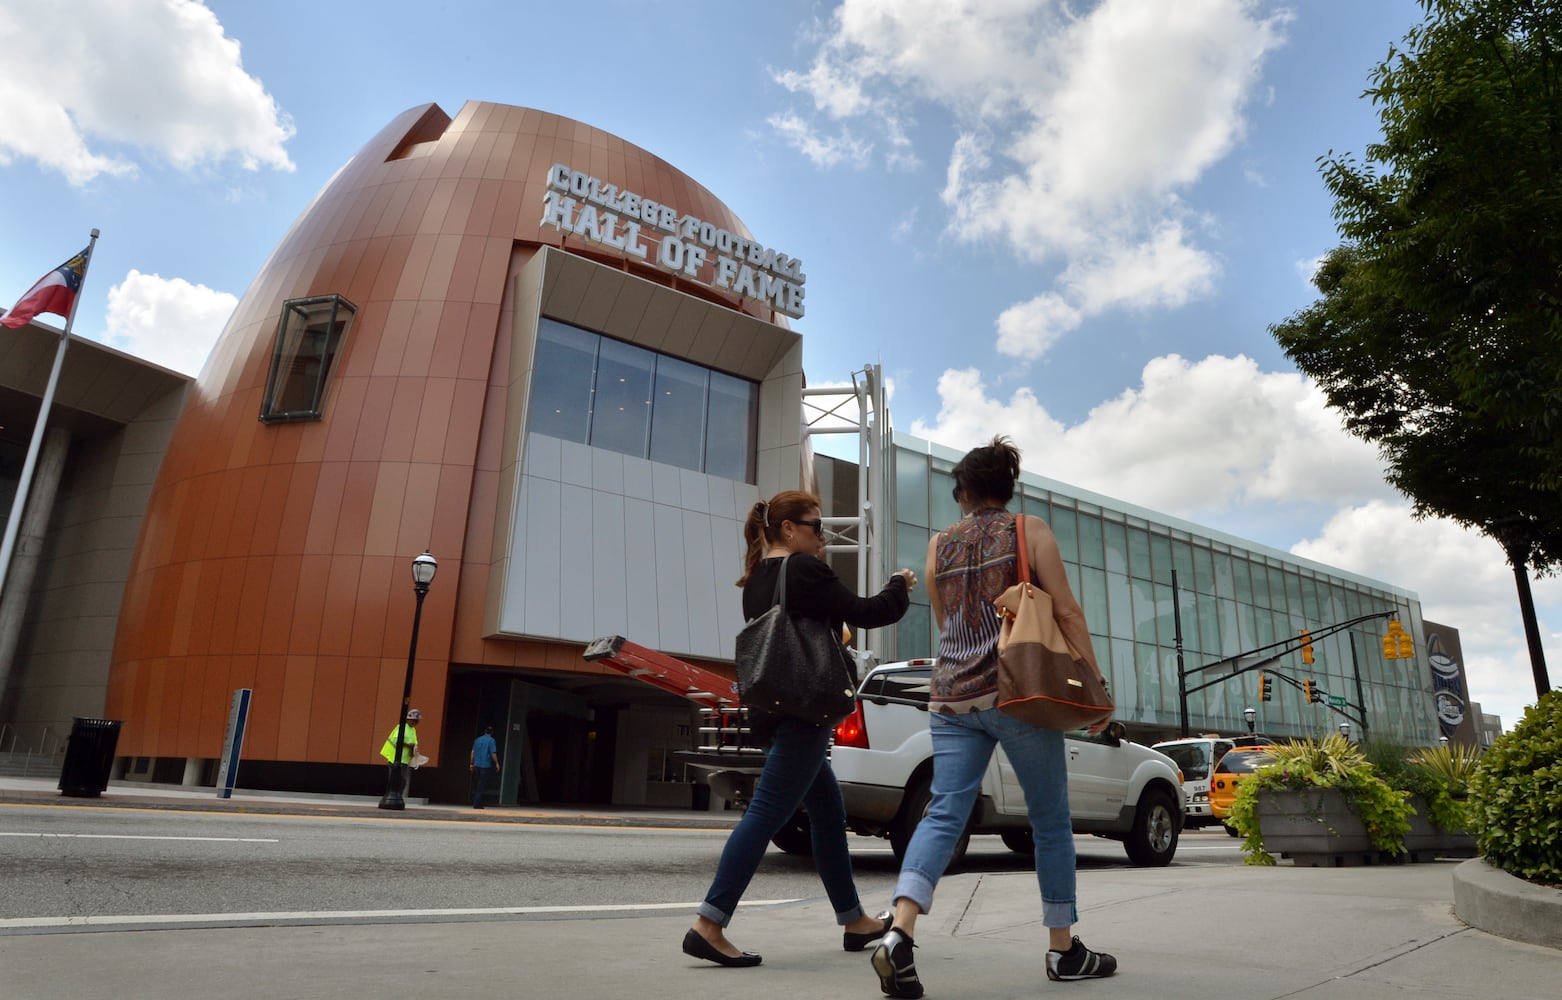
x=912, y=809
x=1153, y=839
x=1019, y=841
x=796, y=837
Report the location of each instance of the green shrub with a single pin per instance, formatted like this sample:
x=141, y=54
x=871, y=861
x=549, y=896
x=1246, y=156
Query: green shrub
x=1333, y=762
x=1516, y=795
x=1438, y=775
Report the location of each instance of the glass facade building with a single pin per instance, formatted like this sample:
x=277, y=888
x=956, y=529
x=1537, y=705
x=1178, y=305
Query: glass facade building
x=1231, y=596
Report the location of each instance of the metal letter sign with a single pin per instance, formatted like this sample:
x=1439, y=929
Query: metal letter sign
x=233, y=743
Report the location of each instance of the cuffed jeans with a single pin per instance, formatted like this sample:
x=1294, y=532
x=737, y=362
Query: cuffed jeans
x=796, y=772
x=962, y=747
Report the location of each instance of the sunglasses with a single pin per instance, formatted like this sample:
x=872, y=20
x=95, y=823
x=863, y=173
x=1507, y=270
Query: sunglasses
x=817, y=524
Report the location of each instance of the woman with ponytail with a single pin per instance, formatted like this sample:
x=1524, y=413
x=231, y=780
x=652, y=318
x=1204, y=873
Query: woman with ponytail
x=797, y=770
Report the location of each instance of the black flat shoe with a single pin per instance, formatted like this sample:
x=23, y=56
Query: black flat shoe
x=852, y=941
x=697, y=947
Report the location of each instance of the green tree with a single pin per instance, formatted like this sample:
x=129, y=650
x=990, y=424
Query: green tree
x=1438, y=333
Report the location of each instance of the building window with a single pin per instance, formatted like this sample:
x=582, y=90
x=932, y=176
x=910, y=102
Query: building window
x=608, y=394
x=310, y=335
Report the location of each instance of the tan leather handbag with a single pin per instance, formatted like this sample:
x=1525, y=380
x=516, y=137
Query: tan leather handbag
x=1042, y=679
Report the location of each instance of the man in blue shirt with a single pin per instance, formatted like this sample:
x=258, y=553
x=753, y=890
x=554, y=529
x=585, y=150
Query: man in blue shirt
x=484, y=762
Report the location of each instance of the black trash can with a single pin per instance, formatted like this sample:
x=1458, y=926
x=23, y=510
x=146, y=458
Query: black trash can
x=89, y=756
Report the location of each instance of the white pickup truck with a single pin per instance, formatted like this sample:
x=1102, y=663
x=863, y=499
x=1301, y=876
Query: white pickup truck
x=883, y=758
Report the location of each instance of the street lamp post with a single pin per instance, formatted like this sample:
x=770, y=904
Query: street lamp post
x=1345, y=728
x=423, y=569
x=1250, y=713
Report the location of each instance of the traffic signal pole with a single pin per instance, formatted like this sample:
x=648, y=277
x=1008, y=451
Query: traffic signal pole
x=1275, y=650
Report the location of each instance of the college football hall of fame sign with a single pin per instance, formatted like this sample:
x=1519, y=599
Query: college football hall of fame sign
x=1449, y=690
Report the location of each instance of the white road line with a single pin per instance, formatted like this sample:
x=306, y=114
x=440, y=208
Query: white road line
x=136, y=836
x=226, y=919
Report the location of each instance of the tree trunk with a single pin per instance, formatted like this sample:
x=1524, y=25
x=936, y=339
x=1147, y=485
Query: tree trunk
x=1537, y=655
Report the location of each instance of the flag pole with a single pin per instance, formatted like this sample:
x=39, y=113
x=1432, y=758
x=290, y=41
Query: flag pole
x=24, y=484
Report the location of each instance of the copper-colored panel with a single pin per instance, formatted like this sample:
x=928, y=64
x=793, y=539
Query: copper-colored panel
x=327, y=507
x=352, y=524
x=298, y=688
x=428, y=443
x=192, y=688
x=446, y=356
x=341, y=592
x=277, y=622
x=309, y=605
x=326, y=701
x=375, y=580
x=361, y=736
x=384, y=519
x=265, y=709
x=413, y=533
x=212, y=716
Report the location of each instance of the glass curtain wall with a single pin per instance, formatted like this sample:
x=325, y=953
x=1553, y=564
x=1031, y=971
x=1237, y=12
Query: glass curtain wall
x=1231, y=599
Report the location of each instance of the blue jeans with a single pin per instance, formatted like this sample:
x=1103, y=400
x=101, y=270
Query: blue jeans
x=962, y=747
x=482, y=774
x=796, y=772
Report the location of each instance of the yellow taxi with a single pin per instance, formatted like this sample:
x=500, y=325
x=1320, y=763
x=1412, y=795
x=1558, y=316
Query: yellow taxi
x=1237, y=764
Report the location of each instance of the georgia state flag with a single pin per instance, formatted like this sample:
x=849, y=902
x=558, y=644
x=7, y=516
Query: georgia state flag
x=53, y=293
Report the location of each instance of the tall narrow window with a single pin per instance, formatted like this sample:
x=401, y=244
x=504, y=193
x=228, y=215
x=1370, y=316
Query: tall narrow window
x=310, y=335
x=734, y=409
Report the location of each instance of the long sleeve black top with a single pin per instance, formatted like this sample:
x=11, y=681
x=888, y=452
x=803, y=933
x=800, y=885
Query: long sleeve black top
x=814, y=591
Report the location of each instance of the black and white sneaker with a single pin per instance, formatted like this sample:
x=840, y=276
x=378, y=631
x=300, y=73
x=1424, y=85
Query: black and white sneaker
x=1079, y=962
x=896, y=968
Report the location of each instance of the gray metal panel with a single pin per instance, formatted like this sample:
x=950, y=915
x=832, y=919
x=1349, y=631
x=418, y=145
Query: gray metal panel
x=700, y=581
x=607, y=601
x=574, y=527
x=538, y=565
x=642, y=576
x=672, y=600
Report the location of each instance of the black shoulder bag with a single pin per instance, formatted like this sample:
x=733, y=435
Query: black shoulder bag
x=795, y=667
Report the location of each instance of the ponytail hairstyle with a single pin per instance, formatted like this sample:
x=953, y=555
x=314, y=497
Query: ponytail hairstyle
x=763, y=524
x=989, y=472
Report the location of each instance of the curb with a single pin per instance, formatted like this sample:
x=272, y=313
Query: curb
x=1491, y=900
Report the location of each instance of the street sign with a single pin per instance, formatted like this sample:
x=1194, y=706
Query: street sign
x=1336, y=701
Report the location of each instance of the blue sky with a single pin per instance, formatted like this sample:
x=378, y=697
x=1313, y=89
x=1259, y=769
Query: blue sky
x=1069, y=223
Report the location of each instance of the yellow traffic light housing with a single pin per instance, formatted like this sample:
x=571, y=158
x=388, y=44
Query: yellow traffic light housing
x=1307, y=690
x=1397, y=645
x=1265, y=686
x=1307, y=646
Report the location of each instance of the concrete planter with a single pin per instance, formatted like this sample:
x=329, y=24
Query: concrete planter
x=1315, y=828
x=1426, y=842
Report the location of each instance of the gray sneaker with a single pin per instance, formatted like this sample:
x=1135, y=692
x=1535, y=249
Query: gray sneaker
x=1079, y=962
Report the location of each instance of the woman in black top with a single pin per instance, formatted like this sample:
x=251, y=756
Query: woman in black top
x=796, y=772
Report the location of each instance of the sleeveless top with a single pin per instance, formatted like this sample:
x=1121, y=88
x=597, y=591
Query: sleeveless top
x=975, y=561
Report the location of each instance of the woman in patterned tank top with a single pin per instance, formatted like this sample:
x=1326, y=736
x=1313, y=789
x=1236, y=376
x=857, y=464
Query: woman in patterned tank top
x=968, y=565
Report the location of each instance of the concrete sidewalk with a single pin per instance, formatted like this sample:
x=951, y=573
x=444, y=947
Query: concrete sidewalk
x=1195, y=931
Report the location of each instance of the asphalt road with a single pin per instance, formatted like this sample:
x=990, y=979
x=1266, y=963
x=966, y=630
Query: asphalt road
x=73, y=862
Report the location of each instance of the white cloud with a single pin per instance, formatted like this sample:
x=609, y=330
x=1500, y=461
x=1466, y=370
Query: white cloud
x=1028, y=329
x=159, y=76
x=1076, y=131
x=167, y=321
x=1193, y=439
x=1463, y=581
x=822, y=150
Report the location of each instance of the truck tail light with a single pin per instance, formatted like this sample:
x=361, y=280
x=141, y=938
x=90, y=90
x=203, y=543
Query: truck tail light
x=853, y=730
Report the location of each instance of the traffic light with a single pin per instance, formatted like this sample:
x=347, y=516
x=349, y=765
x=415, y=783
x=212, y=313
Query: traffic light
x=1265, y=686
x=1307, y=646
x=1313, y=692
x=1398, y=645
